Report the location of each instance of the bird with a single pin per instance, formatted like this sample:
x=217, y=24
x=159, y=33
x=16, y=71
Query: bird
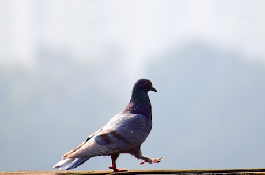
x=124, y=133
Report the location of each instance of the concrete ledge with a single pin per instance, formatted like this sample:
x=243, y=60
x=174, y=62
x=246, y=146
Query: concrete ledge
x=165, y=171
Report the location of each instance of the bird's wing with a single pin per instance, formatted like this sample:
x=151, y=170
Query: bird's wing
x=123, y=132
x=77, y=148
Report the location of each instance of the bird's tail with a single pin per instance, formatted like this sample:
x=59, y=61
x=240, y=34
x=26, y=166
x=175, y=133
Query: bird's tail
x=69, y=163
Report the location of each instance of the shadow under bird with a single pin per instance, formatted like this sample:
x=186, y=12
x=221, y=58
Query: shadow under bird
x=124, y=133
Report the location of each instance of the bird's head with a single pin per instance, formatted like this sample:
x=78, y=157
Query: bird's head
x=144, y=85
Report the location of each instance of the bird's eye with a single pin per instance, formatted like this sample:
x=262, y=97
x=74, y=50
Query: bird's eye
x=146, y=83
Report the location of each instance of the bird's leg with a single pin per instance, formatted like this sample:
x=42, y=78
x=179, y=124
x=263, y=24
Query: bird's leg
x=113, y=163
x=138, y=154
x=150, y=160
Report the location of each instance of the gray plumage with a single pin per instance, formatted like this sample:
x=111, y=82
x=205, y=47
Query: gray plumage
x=124, y=133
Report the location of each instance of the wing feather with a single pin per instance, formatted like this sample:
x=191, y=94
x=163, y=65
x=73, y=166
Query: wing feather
x=123, y=132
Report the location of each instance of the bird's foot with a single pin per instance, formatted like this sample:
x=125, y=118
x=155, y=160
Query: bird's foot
x=153, y=160
x=116, y=169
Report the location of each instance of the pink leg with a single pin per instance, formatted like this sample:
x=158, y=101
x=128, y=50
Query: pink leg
x=113, y=165
x=152, y=160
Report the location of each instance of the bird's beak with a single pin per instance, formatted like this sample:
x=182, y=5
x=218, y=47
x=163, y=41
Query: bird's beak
x=153, y=89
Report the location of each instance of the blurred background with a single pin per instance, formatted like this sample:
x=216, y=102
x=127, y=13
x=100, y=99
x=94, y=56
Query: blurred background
x=67, y=67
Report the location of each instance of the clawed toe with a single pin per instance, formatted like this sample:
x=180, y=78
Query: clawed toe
x=154, y=160
x=157, y=160
x=116, y=169
x=143, y=162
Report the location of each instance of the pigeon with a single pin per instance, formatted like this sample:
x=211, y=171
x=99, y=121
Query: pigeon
x=124, y=133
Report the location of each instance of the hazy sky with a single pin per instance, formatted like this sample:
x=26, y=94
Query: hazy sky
x=135, y=30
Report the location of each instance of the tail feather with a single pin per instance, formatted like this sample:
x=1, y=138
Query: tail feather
x=69, y=163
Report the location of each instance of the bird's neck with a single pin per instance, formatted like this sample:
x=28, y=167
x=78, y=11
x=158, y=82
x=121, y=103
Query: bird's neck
x=140, y=98
x=140, y=104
